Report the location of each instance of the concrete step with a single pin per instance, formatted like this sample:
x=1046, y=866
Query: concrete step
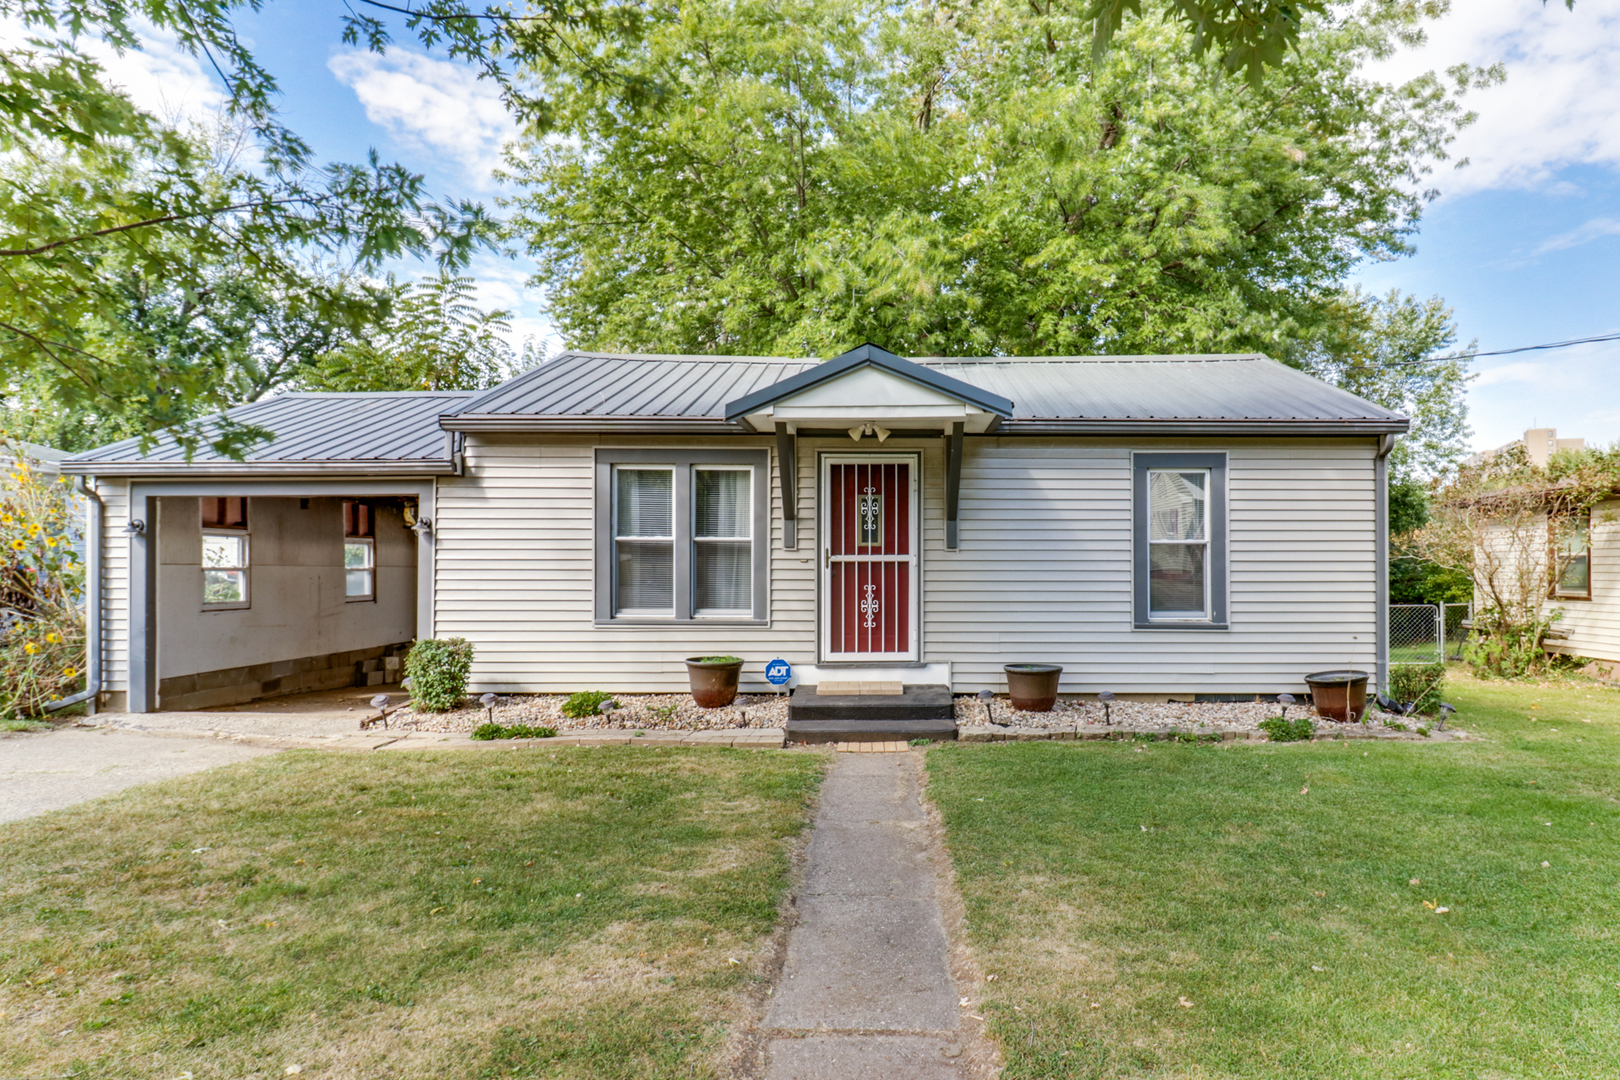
x=912, y=703
x=873, y=731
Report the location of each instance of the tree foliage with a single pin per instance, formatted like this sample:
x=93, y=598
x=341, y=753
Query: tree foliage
x=98, y=197
x=1506, y=521
x=969, y=180
x=435, y=338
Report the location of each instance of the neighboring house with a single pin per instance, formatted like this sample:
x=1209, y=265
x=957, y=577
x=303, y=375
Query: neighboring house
x=1182, y=525
x=1586, y=587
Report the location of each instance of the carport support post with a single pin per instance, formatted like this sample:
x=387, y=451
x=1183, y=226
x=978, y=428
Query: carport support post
x=143, y=550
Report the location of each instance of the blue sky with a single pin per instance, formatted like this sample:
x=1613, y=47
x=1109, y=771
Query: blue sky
x=1523, y=243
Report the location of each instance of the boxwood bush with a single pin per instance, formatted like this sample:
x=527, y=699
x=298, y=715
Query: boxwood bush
x=1419, y=683
x=438, y=669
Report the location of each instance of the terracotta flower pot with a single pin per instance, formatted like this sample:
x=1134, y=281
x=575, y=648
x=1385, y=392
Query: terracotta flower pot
x=714, y=682
x=1033, y=687
x=1339, y=695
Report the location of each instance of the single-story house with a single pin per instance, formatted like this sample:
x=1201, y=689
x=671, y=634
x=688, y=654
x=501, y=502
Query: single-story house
x=1170, y=525
x=1586, y=590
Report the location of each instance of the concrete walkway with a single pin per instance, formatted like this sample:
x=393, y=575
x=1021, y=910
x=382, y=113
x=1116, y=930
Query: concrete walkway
x=52, y=770
x=866, y=990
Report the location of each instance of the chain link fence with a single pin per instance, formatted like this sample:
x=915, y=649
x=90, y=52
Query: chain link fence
x=1427, y=633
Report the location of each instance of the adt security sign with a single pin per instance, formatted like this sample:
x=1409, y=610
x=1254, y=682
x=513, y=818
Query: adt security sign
x=778, y=672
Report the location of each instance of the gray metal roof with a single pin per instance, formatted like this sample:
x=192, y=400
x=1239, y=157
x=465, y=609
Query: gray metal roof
x=391, y=433
x=1065, y=394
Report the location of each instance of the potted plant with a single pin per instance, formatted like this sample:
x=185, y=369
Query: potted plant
x=1033, y=687
x=713, y=680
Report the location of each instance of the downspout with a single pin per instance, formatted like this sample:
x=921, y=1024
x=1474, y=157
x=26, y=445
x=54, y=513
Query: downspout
x=1386, y=443
x=94, y=512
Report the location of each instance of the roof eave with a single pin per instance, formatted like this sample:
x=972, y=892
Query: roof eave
x=420, y=467
x=1180, y=426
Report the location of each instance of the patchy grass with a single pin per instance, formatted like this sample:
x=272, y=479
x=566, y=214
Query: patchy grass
x=557, y=913
x=1265, y=910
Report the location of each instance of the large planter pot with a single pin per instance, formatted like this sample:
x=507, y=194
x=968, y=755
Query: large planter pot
x=1033, y=687
x=1339, y=695
x=714, y=683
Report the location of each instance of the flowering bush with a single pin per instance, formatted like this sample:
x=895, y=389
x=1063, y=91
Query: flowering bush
x=41, y=588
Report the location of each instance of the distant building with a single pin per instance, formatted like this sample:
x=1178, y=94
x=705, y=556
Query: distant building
x=1539, y=443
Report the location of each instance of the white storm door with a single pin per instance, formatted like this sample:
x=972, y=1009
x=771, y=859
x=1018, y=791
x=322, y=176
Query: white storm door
x=869, y=567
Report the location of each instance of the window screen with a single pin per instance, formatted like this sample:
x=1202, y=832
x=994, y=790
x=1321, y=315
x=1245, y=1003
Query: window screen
x=721, y=539
x=644, y=541
x=1178, y=540
x=1575, y=561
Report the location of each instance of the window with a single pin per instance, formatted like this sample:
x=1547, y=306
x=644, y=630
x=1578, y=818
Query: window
x=224, y=552
x=1180, y=540
x=1574, y=581
x=722, y=541
x=681, y=535
x=359, y=551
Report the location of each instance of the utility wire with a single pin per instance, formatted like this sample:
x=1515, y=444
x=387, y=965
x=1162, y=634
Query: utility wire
x=1505, y=352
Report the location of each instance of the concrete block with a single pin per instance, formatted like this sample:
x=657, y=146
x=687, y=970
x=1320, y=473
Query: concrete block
x=369, y=666
x=177, y=686
x=213, y=680
x=270, y=686
x=374, y=678
x=282, y=668
x=972, y=733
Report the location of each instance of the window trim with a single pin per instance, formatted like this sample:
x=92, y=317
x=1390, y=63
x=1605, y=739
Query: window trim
x=683, y=462
x=370, y=568
x=1216, y=586
x=246, y=569
x=1558, y=591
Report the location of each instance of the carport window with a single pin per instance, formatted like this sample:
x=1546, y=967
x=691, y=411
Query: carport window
x=1180, y=540
x=224, y=552
x=359, y=551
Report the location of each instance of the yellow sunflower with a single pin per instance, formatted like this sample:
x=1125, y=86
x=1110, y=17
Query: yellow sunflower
x=30, y=648
x=18, y=545
x=69, y=672
x=53, y=637
x=50, y=541
x=33, y=530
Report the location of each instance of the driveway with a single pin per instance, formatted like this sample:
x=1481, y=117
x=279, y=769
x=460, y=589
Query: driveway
x=47, y=771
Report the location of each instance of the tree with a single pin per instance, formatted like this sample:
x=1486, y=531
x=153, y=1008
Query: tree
x=96, y=193
x=435, y=339
x=968, y=181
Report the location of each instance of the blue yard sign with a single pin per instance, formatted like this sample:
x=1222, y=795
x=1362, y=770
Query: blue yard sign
x=778, y=672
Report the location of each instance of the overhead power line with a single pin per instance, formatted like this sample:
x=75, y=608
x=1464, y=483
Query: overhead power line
x=1505, y=352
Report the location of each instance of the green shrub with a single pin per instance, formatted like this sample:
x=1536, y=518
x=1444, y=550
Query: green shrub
x=514, y=731
x=1283, y=730
x=1419, y=683
x=438, y=669
x=585, y=703
x=720, y=659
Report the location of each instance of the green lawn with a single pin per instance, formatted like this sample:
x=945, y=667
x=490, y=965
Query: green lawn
x=1260, y=910
x=564, y=913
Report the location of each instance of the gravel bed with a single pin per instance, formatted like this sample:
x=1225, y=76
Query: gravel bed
x=1189, y=715
x=654, y=712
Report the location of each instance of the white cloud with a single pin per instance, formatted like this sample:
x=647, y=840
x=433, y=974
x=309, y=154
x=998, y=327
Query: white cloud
x=160, y=77
x=1558, y=105
x=1595, y=229
x=1521, y=372
x=431, y=105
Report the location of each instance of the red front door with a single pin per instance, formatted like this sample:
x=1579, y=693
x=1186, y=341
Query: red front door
x=869, y=558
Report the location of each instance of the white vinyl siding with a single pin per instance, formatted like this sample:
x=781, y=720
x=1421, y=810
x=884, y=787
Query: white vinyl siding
x=1592, y=627
x=115, y=586
x=515, y=552
x=1044, y=569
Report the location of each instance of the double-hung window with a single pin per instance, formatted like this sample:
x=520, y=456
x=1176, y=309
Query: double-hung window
x=359, y=551
x=224, y=552
x=681, y=535
x=1574, y=567
x=1180, y=540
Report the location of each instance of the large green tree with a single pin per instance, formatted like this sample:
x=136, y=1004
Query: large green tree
x=969, y=180
x=98, y=198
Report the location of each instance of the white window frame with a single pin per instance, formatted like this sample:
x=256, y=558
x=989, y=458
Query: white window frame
x=683, y=463
x=370, y=544
x=246, y=569
x=1203, y=544
x=674, y=514
x=721, y=613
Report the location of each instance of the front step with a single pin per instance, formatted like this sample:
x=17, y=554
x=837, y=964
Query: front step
x=918, y=712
